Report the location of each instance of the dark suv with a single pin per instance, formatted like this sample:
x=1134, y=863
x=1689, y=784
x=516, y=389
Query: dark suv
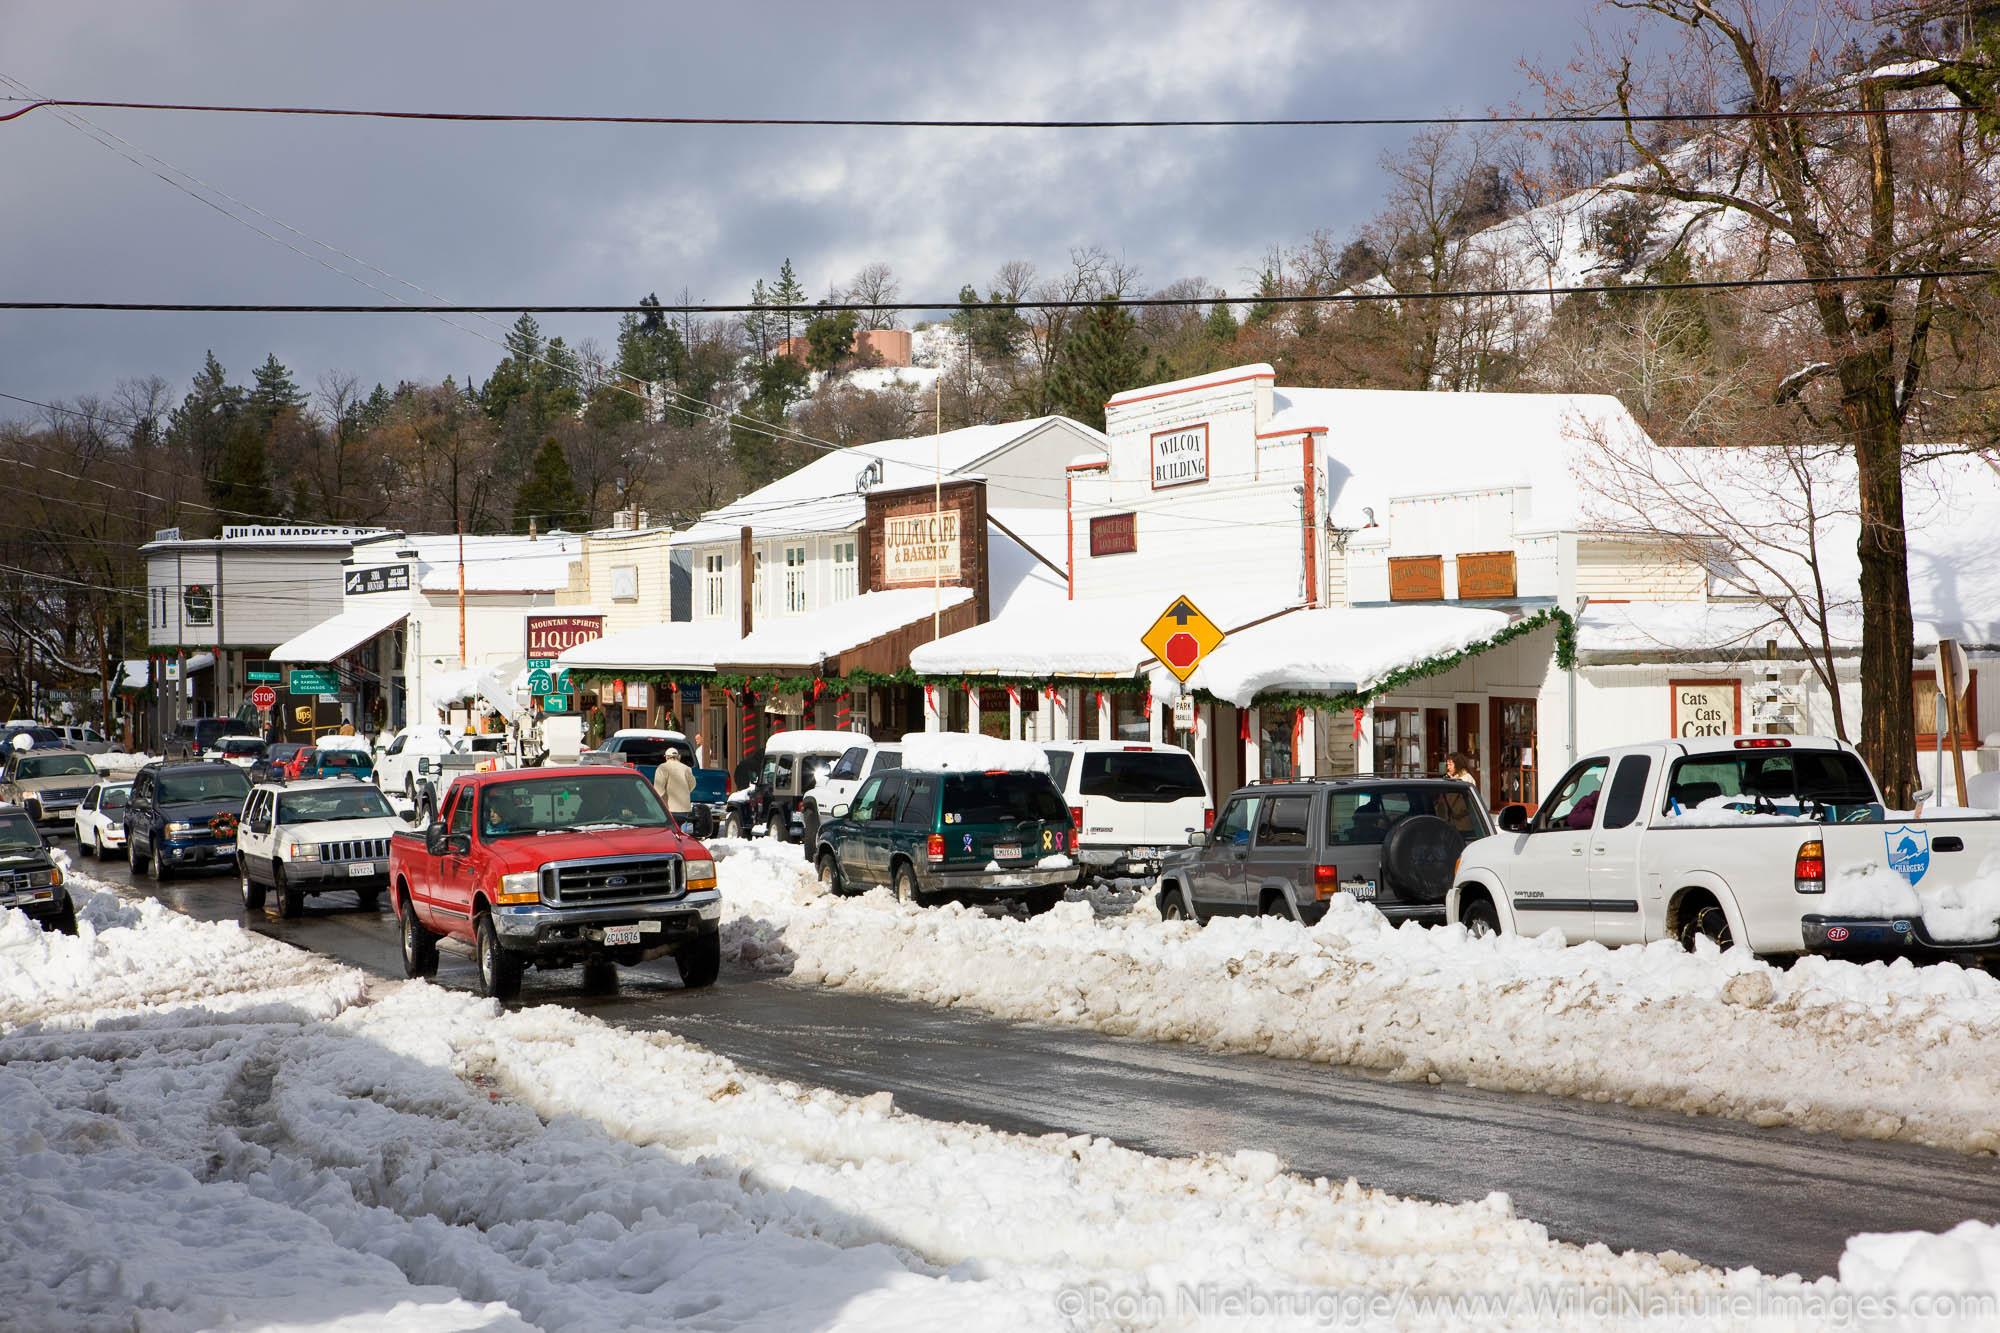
x=30, y=879
x=933, y=835
x=193, y=737
x=183, y=817
x=1285, y=848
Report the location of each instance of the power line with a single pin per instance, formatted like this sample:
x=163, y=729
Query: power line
x=1128, y=302
x=887, y=123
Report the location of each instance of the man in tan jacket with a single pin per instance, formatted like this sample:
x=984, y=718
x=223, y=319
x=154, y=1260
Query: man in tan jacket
x=674, y=781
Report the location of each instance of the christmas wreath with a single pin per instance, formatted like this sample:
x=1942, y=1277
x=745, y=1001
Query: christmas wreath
x=224, y=824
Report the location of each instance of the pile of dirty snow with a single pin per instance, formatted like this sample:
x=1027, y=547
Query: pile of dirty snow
x=1875, y=1050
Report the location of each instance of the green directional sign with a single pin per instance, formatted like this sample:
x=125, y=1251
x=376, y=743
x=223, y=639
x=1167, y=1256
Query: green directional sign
x=263, y=673
x=555, y=703
x=315, y=680
x=541, y=682
x=562, y=681
x=540, y=663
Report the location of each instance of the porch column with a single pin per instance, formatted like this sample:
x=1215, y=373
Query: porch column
x=933, y=707
x=1013, y=718
x=1307, y=759
x=1200, y=742
x=972, y=712
x=1253, y=763
x=1155, y=723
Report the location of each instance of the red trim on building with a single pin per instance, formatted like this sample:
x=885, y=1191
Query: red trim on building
x=1192, y=388
x=1296, y=430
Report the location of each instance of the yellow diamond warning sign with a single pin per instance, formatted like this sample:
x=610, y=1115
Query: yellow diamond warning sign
x=1181, y=637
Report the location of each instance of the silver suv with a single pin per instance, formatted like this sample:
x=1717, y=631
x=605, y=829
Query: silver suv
x=1284, y=848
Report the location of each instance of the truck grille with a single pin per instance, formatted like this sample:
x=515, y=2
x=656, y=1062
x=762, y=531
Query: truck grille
x=612, y=879
x=355, y=849
x=21, y=881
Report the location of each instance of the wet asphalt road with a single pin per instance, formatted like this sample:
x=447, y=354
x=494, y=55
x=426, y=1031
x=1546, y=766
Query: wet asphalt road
x=1718, y=1190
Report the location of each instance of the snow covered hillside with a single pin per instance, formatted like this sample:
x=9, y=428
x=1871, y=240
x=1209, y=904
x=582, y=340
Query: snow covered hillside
x=1886, y=1051
x=201, y=1128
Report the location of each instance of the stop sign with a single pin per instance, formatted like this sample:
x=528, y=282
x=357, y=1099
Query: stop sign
x=1183, y=650
x=264, y=697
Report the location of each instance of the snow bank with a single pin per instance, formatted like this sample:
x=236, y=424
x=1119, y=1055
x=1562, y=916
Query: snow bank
x=1875, y=1050
x=417, y=1158
x=954, y=752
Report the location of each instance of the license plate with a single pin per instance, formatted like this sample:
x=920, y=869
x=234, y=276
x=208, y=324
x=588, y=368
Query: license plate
x=1364, y=890
x=621, y=934
x=1007, y=851
x=1144, y=853
x=361, y=870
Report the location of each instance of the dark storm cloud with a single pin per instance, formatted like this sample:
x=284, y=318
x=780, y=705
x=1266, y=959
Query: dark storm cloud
x=597, y=214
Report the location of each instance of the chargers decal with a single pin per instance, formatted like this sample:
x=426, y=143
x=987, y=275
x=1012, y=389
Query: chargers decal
x=1909, y=853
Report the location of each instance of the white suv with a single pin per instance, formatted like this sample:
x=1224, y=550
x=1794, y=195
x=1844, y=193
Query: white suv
x=1132, y=802
x=858, y=763
x=314, y=837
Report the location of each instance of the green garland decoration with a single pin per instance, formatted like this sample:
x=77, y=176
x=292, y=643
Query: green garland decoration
x=1566, y=659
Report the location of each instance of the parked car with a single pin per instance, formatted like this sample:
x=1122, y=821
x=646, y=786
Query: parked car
x=183, y=816
x=280, y=762
x=643, y=749
x=47, y=784
x=30, y=879
x=99, y=820
x=85, y=740
x=319, y=762
x=193, y=738
x=306, y=838
x=556, y=867
x=39, y=736
x=928, y=834
x=794, y=761
x=861, y=760
x=1737, y=838
x=396, y=766
x=1285, y=848
x=1133, y=802
x=242, y=751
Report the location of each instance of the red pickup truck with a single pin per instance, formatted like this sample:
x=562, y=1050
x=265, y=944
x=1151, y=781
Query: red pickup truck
x=556, y=867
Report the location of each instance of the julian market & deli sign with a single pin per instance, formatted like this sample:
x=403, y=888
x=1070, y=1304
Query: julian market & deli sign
x=550, y=636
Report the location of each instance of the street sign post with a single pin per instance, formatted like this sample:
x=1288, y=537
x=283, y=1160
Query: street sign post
x=1184, y=713
x=264, y=697
x=315, y=680
x=1181, y=637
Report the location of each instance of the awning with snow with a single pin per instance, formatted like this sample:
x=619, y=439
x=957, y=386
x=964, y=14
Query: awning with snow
x=873, y=632
x=690, y=646
x=338, y=636
x=1340, y=650
x=1084, y=639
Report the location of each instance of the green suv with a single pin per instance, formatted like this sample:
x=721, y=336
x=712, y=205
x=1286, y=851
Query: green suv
x=931, y=835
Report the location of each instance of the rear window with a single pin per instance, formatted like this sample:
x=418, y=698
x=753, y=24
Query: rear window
x=1824, y=777
x=342, y=759
x=1140, y=775
x=1001, y=798
x=1363, y=817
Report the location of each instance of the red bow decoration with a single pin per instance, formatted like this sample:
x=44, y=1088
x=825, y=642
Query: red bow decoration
x=1357, y=724
x=930, y=697
x=1242, y=725
x=1014, y=695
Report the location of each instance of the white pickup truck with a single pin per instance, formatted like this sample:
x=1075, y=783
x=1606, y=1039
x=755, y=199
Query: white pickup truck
x=1780, y=843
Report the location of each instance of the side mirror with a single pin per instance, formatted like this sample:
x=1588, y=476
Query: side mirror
x=1513, y=818
x=436, y=839
x=839, y=811
x=409, y=816
x=1197, y=837
x=261, y=824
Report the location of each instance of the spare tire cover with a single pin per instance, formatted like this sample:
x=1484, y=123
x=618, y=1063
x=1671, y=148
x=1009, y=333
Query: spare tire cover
x=1419, y=856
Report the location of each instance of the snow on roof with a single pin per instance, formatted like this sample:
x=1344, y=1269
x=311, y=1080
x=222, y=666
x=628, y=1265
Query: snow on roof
x=1017, y=581
x=493, y=563
x=1724, y=628
x=674, y=645
x=134, y=673
x=490, y=685
x=339, y=634
x=1258, y=371
x=1387, y=444
x=648, y=733
x=823, y=496
x=955, y=752
x=1053, y=636
x=809, y=639
x=1338, y=649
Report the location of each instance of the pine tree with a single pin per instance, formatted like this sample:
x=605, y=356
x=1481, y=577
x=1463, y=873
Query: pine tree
x=548, y=494
x=273, y=392
x=1103, y=356
x=241, y=486
x=788, y=292
x=1220, y=326
x=830, y=339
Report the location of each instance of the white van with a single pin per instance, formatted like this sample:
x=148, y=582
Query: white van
x=1132, y=802
x=858, y=763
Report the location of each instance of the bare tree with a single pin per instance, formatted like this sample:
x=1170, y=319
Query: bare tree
x=1824, y=198
x=876, y=286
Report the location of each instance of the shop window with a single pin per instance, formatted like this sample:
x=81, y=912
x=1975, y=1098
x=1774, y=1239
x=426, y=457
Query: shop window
x=1083, y=720
x=1128, y=717
x=1275, y=756
x=715, y=595
x=1114, y=534
x=957, y=709
x=757, y=583
x=994, y=717
x=1513, y=751
x=1924, y=692
x=1399, y=742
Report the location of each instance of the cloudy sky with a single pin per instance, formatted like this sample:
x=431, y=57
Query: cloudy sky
x=592, y=214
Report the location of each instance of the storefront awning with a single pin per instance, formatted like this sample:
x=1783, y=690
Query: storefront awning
x=338, y=636
x=1096, y=638
x=675, y=645
x=846, y=628
x=1339, y=650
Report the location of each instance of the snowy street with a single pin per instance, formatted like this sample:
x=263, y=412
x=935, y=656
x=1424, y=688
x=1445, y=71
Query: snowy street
x=1778, y=1199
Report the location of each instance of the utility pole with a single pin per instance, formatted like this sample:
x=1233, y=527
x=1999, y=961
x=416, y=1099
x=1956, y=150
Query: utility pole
x=462, y=662
x=937, y=517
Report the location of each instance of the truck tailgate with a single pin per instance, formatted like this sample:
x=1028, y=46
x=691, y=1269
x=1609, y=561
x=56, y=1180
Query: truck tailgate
x=1939, y=877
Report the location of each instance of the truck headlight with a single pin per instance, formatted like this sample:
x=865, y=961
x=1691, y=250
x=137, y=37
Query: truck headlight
x=522, y=887
x=700, y=875
x=55, y=876
x=179, y=830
